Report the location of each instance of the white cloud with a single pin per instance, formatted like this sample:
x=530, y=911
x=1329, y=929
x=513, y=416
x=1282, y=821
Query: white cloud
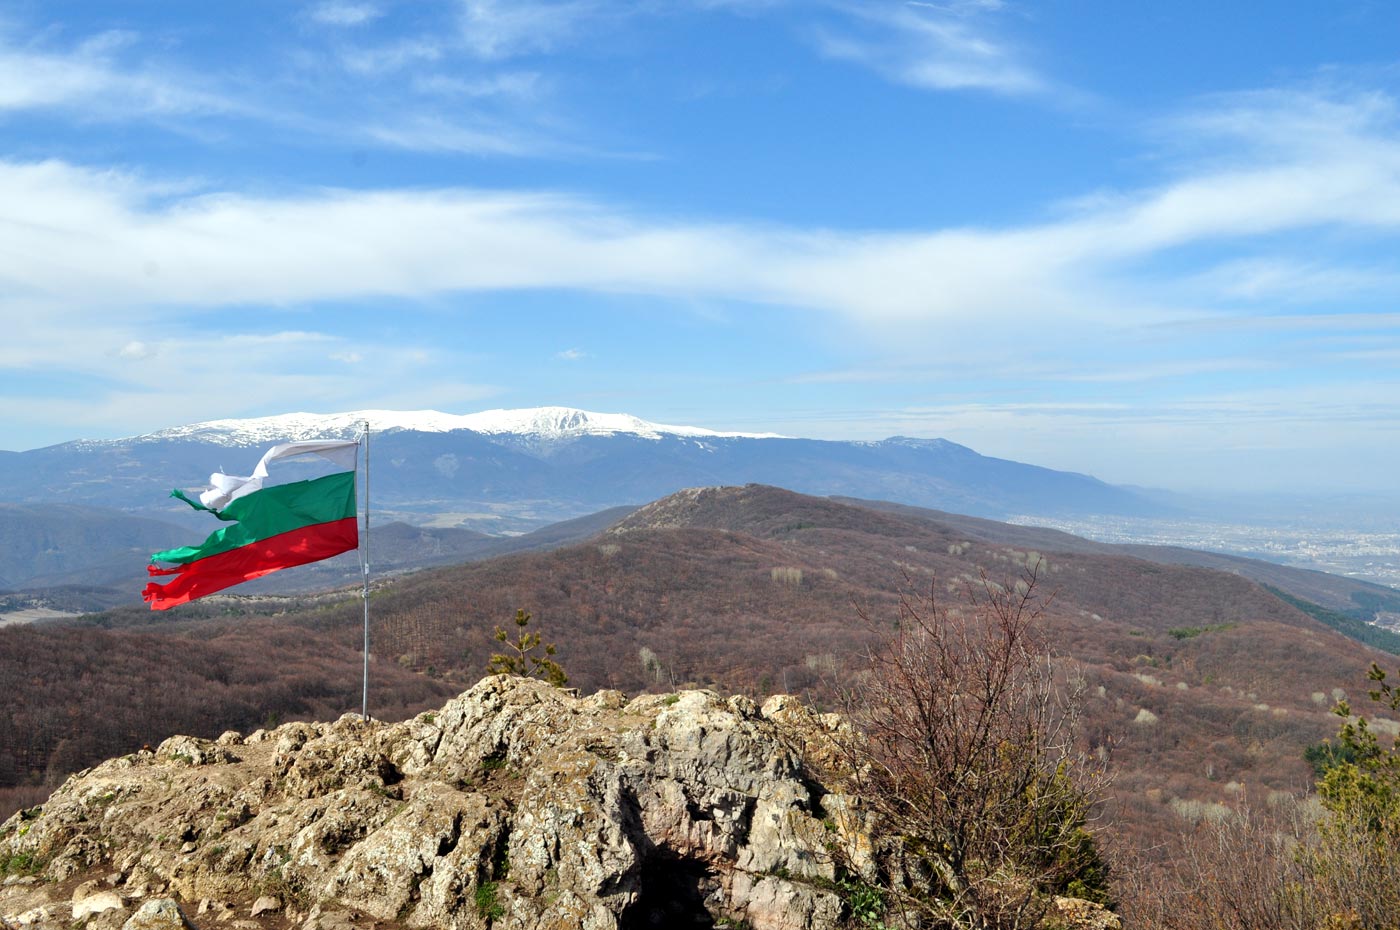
x=73, y=236
x=107, y=79
x=931, y=46
x=571, y=355
x=425, y=133
x=1017, y=369
x=88, y=78
x=1292, y=279
x=393, y=56
x=498, y=29
x=184, y=377
x=1183, y=442
x=136, y=350
x=1339, y=322
x=345, y=14
x=519, y=85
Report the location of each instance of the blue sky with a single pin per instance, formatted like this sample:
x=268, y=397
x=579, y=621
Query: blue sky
x=1153, y=242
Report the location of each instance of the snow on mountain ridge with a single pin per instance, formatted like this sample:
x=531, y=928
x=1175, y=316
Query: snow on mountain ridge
x=538, y=422
x=559, y=422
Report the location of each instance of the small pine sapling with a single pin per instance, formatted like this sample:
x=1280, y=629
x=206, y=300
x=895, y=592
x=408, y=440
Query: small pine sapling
x=528, y=656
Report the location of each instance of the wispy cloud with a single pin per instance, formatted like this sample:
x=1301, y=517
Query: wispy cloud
x=931, y=46
x=226, y=248
x=345, y=14
x=91, y=78
x=74, y=237
x=427, y=105
x=104, y=376
x=424, y=133
x=385, y=58
x=519, y=85
x=1184, y=442
x=1338, y=322
x=571, y=355
x=498, y=29
x=136, y=350
x=1294, y=280
x=1016, y=369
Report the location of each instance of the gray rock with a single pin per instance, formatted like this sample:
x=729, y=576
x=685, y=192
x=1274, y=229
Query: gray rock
x=35, y=917
x=95, y=903
x=158, y=914
x=516, y=800
x=191, y=750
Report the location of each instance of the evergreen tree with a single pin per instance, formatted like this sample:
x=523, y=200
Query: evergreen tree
x=528, y=656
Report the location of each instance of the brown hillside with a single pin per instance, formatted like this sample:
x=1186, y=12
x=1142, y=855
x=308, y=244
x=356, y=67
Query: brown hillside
x=1201, y=684
x=76, y=695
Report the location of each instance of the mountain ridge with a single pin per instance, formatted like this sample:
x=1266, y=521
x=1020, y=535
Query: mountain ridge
x=540, y=465
x=554, y=422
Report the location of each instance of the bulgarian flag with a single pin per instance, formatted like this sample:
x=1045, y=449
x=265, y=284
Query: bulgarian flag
x=270, y=527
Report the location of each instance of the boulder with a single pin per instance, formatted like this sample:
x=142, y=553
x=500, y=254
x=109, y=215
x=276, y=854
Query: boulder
x=264, y=905
x=96, y=903
x=158, y=914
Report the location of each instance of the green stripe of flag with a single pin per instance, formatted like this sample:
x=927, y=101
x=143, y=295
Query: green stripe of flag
x=271, y=512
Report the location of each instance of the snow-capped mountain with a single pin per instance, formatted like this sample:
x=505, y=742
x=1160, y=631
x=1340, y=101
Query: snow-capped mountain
x=497, y=472
x=511, y=470
x=544, y=423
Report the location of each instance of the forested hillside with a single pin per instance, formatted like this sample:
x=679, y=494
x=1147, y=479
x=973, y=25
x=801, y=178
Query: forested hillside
x=1198, y=681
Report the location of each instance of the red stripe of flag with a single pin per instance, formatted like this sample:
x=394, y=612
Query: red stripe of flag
x=216, y=572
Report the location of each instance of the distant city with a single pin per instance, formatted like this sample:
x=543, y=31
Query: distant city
x=1367, y=556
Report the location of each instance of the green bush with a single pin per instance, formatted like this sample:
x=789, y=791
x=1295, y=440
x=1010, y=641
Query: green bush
x=1357, y=858
x=487, y=907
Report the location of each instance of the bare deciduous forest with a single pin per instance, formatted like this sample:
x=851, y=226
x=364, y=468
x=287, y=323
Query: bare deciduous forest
x=1201, y=686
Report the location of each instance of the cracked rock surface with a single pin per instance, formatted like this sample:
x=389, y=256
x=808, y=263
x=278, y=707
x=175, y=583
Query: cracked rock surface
x=517, y=805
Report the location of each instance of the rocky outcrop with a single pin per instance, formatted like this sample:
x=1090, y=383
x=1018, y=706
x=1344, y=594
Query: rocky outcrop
x=516, y=805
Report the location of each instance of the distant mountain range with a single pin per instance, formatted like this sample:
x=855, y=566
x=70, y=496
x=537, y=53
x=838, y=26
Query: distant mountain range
x=449, y=487
x=513, y=470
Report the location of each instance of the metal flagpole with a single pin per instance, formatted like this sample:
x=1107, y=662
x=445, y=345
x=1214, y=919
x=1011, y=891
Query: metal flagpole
x=364, y=593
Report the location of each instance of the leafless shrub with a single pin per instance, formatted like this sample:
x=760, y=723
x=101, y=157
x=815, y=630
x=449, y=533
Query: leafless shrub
x=1237, y=871
x=965, y=750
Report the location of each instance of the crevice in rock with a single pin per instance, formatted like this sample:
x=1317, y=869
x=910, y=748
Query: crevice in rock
x=744, y=821
x=454, y=835
x=494, y=864
x=696, y=812
x=816, y=791
x=500, y=855
x=672, y=893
